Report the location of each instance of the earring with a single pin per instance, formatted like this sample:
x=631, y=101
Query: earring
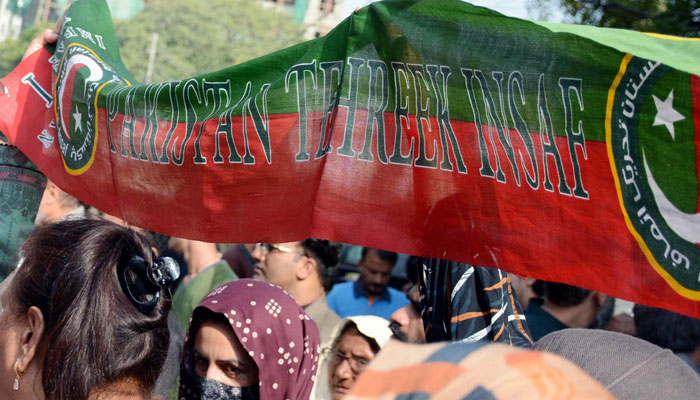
x=15, y=384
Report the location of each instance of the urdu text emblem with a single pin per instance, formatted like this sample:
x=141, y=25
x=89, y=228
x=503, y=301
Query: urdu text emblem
x=81, y=76
x=648, y=139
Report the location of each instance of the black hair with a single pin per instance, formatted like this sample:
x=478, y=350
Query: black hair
x=565, y=295
x=325, y=253
x=93, y=335
x=676, y=332
x=413, y=269
x=539, y=287
x=389, y=256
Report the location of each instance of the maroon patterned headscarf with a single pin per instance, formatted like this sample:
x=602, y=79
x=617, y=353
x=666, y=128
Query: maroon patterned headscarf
x=279, y=336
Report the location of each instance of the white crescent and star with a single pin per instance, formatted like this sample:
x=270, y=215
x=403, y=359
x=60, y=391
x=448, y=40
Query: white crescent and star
x=78, y=118
x=96, y=74
x=684, y=224
x=666, y=115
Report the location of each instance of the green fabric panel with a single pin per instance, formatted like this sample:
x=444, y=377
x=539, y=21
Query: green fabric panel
x=187, y=297
x=448, y=33
x=677, y=52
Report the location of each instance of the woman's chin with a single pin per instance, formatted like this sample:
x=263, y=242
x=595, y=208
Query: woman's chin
x=339, y=392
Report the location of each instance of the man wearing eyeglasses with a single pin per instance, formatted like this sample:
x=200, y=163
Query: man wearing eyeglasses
x=301, y=268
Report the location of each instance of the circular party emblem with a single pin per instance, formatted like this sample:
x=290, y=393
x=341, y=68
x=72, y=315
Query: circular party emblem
x=652, y=144
x=81, y=76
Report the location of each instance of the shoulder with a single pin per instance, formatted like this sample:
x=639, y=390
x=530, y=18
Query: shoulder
x=212, y=277
x=397, y=296
x=222, y=272
x=533, y=309
x=206, y=281
x=340, y=288
x=395, y=292
x=331, y=316
x=326, y=319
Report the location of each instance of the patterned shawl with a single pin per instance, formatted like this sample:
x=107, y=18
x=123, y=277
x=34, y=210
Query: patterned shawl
x=276, y=332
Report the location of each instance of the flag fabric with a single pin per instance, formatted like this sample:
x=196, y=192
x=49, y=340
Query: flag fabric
x=481, y=370
x=434, y=128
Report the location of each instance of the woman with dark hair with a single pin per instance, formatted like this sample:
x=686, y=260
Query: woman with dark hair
x=249, y=340
x=85, y=315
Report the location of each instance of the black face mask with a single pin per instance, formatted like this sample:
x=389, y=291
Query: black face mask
x=209, y=389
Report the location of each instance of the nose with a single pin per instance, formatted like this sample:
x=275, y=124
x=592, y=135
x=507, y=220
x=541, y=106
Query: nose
x=257, y=253
x=343, y=371
x=213, y=372
x=401, y=316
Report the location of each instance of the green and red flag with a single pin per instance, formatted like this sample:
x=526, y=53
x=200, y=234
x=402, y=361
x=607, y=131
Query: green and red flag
x=432, y=127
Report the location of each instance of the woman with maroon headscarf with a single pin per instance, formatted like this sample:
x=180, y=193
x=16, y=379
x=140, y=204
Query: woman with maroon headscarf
x=249, y=340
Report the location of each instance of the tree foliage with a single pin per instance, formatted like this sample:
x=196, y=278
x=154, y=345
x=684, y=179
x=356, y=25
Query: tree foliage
x=195, y=37
x=12, y=50
x=672, y=17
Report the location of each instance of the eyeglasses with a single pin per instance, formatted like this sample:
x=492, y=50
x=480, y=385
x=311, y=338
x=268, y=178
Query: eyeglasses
x=357, y=364
x=269, y=247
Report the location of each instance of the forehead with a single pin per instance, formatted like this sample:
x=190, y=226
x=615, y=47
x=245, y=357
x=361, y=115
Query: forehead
x=217, y=340
x=352, y=341
x=372, y=262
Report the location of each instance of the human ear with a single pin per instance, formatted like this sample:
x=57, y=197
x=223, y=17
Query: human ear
x=50, y=196
x=306, y=267
x=30, y=338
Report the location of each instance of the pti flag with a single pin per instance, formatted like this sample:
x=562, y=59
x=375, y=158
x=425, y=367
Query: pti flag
x=432, y=127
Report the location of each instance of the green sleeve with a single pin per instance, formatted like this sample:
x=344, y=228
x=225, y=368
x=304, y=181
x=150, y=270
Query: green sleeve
x=188, y=297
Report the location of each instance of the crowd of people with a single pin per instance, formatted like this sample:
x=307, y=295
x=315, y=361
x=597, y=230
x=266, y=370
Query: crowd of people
x=94, y=309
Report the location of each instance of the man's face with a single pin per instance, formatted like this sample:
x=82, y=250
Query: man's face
x=277, y=263
x=605, y=312
x=374, y=273
x=406, y=322
x=523, y=289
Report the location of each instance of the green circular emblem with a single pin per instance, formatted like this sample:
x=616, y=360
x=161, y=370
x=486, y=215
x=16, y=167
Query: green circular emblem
x=81, y=76
x=651, y=145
